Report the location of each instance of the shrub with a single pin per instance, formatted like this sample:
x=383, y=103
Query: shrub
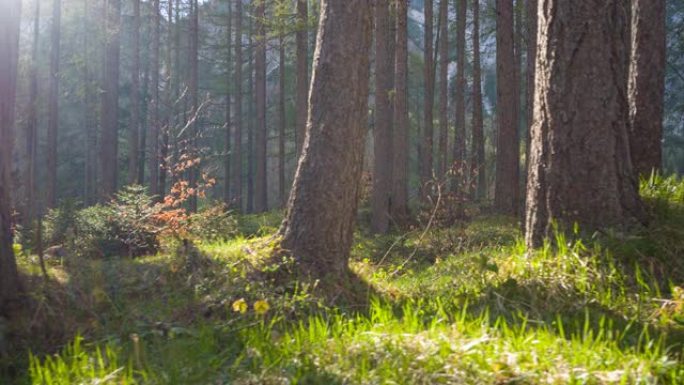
x=214, y=223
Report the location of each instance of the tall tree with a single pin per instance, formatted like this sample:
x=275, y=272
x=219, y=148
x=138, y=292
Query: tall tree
x=580, y=169
x=110, y=101
x=237, y=142
x=153, y=152
x=32, y=120
x=384, y=78
x=10, y=17
x=89, y=104
x=260, y=185
x=506, y=198
x=227, y=195
x=400, y=149
x=425, y=162
x=302, y=98
x=281, y=120
x=53, y=103
x=250, y=114
x=460, y=89
x=647, y=84
x=194, y=98
x=443, y=87
x=318, y=229
x=477, y=152
x=134, y=129
x=531, y=16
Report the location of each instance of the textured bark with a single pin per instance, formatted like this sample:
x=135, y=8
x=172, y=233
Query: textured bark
x=443, y=87
x=302, y=97
x=477, y=152
x=425, y=161
x=282, y=123
x=154, y=121
x=237, y=81
x=647, y=84
x=134, y=129
x=250, y=116
x=169, y=93
x=531, y=19
x=460, y=90
x=227, y=194
x=53, y=104
x=580, y=168
x=382, y=161
x=318, y=229
x=506, y=198
x=110, y=102
x=32, y=122
x=399, y=199
x=260, y=185
x=10, y=16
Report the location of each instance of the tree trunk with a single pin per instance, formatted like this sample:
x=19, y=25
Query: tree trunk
x=227, y=195
x=250, y=116
x=32, y=122
x=319, y=226
x=281, y=122
x=382, y=165
x=153, y=153
x=302, y=73
x=399, y=199
x=53, y=104
x=134, y=130
x=460, y=90
x=580, y=168
x=647, y=84
x=261, y=186
x=237, y=142
x=425, y=162
x=506, y=194
x=443, y=88
x=194, y=100
x=110, y=102
x=10, y=16
x=531, y=16
x=477, y=152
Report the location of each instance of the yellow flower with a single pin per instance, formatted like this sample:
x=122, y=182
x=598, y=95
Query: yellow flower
x=261, y=307
x=240, y=306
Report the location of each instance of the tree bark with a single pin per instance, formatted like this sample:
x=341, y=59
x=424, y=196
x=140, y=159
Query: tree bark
x=237, y=142
x=10, y=16
x=506, y=198
x=194, y=100
x=580, y=168
x=531, y=16
x=110, y=102
x=153, y=153
x=459, y=97
x=227, y=194
x=302, y=98
x=425, y=162
x=318, y=229
x=281, y=122
x=399, y=199
x=134, y=130
x=261, y=184
x=32, y=122
x=477, y=152
x=250, y=116
x=647, y=84
x=443, y=88
x=53, y=104
x=382, y=161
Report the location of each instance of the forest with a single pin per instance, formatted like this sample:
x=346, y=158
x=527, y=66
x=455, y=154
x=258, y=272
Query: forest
x=341, y=192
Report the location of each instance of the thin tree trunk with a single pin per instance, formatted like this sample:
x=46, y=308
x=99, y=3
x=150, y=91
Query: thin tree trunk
x=153, y=153
x=281, y=123
x=426, y=151
x=237, y=143
x=194, y=99
x=506, y=194
x=142, y=148
x=531, y=16
x=443, y=88
x=227, y=195
x=32, y=122
x=647, y=84
x=319, y=226
x=89, y=112
x=261, y=186
x=399, y=198
x=580, y=169
x=134, y=130
x=250, y=118
x=302, y=103
x=384, y=75
x=477, y=152
x=53, y=104
x=459, y=97
x=110, y=101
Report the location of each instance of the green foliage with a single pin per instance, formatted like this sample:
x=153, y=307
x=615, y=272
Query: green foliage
x=214, y=223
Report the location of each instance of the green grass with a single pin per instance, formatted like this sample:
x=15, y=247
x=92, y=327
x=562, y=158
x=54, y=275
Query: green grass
x=464, y=305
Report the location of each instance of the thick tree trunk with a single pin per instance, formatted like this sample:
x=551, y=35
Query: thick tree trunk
x=134, y=129
x=399, y=199
x=425, y=161
x=647, y=84
x=382, y=164
x=580, y=168
x=153, y=153
x=227, y=195
x=53, y=104
x=302, y=99
x=319, y=226
x=443, y=88
x=531, y=16
x=506, y=198
x=237, y=142
x=10, y=16
x=477, y=152
x=261, y=184
x=459, y=97
x=110, y=102
x=281, y=122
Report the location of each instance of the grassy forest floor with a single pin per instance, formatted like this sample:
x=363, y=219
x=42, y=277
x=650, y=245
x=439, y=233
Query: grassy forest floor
x=460, y=305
